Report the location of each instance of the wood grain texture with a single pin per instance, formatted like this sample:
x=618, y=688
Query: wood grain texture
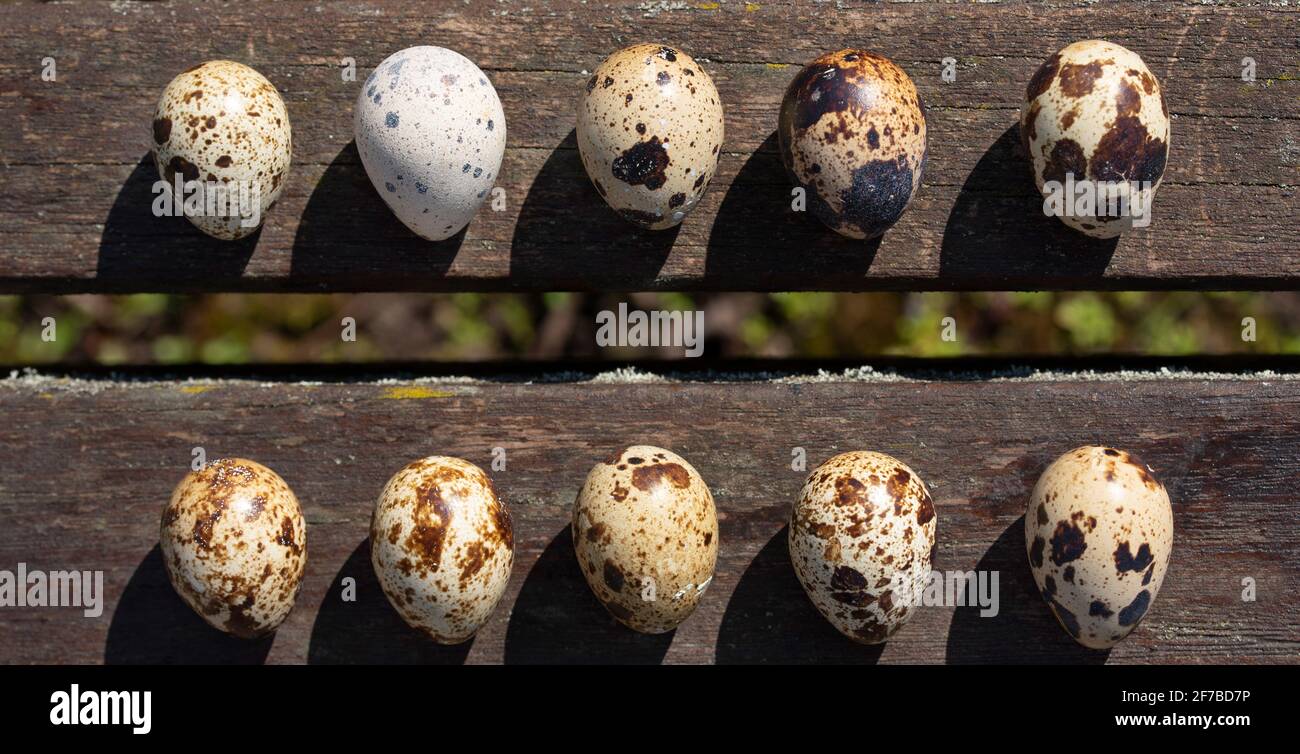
x=87, y=466
x=74, y=199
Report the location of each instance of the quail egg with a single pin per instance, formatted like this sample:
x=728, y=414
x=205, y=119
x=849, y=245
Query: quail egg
x=222, y=125
x=862, y=541
x=1094, y=111
x=235, y=546
x=1099, y=531
x=853, y=135
x=649, y=133
x=431, y=133
x=646, y=535
x=442, y=545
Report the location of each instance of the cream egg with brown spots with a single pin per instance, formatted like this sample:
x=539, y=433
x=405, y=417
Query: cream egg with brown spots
x=862, y=541
x=649, y=132
x=442, y=545
x=1099, y=531
x=223, y=125
x=234, y=543
x=431, y=134
x=646, y=535
x=1094, y=111
x=853, y=135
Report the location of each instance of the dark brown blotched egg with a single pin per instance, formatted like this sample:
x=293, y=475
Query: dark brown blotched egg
x=1099, y=531
x=1096, y=112
x=649, y=133
x=442, y=545
x=646, y=535
x=853, y=135
x=225, y=126
x=235, y=546
x=862, y=541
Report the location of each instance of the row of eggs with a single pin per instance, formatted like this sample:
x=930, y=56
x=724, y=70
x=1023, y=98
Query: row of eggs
x=853, y=133
x=862, y=536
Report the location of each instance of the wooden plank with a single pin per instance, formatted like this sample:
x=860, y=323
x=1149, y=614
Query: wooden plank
x=87, y=465
x=74, y=211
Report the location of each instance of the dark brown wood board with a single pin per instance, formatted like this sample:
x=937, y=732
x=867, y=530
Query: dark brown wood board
x=86, y=466
x=74, y=192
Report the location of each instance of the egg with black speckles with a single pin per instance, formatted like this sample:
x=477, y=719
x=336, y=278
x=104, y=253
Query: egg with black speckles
x=853, y=136
x=223, y=126
x=646, y=534
x=1094, y=111
x=442, y=545
x=431, y=133
x=862, y=541
x=1099, y=532
x=234, y=544
x=649, y=132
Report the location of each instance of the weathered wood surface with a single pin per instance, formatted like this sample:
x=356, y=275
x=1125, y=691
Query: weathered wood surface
x=86, y=466
x=74, y=209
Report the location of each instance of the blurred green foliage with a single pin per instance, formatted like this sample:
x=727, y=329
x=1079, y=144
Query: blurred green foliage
x=236, y=329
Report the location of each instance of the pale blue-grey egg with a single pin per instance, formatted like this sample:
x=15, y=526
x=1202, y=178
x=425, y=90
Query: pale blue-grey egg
x=431, y=133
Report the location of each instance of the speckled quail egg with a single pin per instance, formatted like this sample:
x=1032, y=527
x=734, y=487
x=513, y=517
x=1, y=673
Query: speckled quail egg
x=224, y=125
x=649, y=132
x=1099, y=531
x=235, y=546
x=442, y=545
x=1095, y=111
x=853, y=136
x=431, y=133
x=862, y=541
x=646, y=535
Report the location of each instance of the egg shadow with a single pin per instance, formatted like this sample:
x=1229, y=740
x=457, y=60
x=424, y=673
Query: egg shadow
x=349, y=239
x=152, y=625
x=568, y=238
x=1024, y=631
x=368, y=631
x=557, y=620
x=141, y=252
x=758, y=242
x=770, y=620
x=998, y=237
